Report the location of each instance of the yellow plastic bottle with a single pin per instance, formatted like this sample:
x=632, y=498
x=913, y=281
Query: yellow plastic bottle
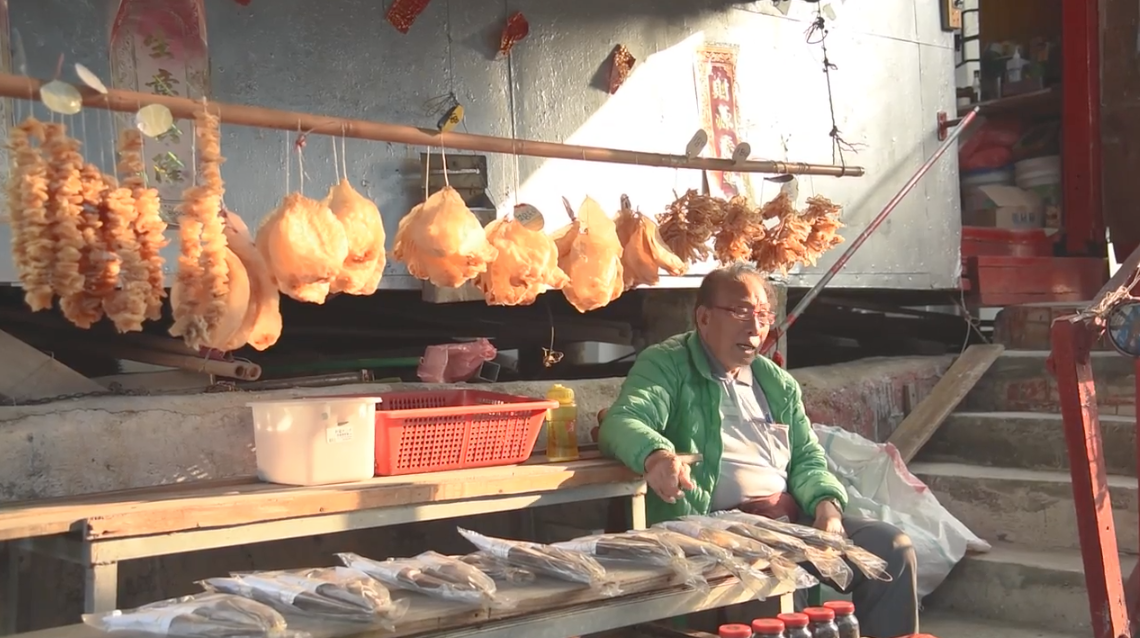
x=561, y=425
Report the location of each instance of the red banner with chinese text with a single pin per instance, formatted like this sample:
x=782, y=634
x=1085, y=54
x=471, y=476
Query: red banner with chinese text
x=715, y=76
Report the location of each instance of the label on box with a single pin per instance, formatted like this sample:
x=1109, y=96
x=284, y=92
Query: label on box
x=339, y=433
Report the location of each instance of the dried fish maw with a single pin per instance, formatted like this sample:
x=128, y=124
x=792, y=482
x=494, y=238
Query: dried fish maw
x=526, y=265
x=305, y=246
x=442, y=241
x=364, y=228
x=593, y=261
x=644, y=253
x=261, y=327
x=236, y=302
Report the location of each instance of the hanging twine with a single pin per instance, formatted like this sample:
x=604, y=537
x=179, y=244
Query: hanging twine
x=817, y=34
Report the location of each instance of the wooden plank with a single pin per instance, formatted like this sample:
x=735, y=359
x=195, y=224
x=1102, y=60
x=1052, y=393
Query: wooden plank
x=917, y=428
x=242, y=501
x=31, y=374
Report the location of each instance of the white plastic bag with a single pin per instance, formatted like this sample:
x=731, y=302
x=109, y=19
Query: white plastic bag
x=879, y=487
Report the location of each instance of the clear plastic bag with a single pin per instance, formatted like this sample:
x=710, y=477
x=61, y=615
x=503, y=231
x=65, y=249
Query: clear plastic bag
x=548, y=560
x=869, y=564
x=694, y=543
x=208, y=615
x=637, y=548
x=498, y=569
x=829, y=562
x=431, y=574
x=336, y=594
x=758, y=553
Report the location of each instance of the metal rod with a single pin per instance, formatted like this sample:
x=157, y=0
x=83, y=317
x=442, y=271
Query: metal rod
x=872, y=227
x=25, y=88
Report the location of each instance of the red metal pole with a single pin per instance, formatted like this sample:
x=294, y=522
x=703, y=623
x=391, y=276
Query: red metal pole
x=1080, y=130
x=1070, y=362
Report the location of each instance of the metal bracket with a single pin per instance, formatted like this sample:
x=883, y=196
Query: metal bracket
x=945, y=124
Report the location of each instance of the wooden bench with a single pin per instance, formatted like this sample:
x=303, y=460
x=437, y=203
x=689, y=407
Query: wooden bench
x=547, y=608
x=99, y=531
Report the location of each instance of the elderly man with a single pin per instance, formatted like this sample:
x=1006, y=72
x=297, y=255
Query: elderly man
x=709, y=392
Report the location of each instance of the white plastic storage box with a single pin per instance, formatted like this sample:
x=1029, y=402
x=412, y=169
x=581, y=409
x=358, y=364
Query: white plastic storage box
x=315, y=441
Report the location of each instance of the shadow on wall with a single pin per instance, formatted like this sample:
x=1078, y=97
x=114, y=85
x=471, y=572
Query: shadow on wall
x=344, y=59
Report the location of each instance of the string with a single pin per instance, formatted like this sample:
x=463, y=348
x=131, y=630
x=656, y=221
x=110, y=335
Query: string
x=343, y=152
x=287, y=163
x=443, y=160
x=300, y=162
x=336, y=162
x=817, y=34
x=427, y=173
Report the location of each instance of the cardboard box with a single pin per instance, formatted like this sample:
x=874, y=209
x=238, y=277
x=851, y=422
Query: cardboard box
x=1006, y=207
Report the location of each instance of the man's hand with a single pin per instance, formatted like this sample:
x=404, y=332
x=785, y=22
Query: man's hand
x=667, y=475
x=828, y=518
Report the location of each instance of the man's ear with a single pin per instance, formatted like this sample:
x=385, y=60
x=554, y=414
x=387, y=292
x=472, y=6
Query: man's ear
x=702, y=316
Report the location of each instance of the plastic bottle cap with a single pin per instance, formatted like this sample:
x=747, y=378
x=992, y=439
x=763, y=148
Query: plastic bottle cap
x=560, y=393
x=735, y=631
x=768, y=626
x=793, y=619
x=840, y=607
x=819, y=614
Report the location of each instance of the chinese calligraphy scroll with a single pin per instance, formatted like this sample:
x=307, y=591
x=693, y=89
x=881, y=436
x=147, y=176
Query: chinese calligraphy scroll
x=159, y=47
x=715, y=75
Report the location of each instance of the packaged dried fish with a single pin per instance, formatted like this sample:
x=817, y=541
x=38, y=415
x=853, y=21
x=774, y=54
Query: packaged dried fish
x=829, y=562
x=781, y=563
x=870, y=565
x=698, y=549
x=207, y=615
x=335, y=593
x=432, y=575
x=638, y=548
x=548, y=560
x=498, y=569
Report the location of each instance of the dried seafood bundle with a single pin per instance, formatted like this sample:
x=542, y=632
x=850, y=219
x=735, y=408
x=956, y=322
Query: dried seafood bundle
x=526, y=265
x=689, y=224
x=823, y=215
x=150, y=228
x=335, y=594
x=430, y=574
x=498, y=569
x=305, y=246
x=261, y=326
x=548, y=560
x=200, y=296
x=442, y=241
x=637, y=548
x=32, y=248
x=208, y=615
x=589, y=252
x=364, y=229
x=780, y=558
x=695, y=546
x=829, y=563
x=741, y=229
x=644, y=253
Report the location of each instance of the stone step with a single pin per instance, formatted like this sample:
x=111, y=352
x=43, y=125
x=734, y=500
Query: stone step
x=1033, y=508
x=1031, y=588
x=1028, y=440
x=947, y=624
x=1019, y=381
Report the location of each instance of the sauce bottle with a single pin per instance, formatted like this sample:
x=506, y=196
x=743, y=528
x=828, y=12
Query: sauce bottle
x=561, y=425
x=767, y=628
x=734, y=631
x=822, y=622
x=795, y=625
x=845, y=618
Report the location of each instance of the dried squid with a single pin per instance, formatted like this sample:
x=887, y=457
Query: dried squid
x=199, y=297
x=526, y=265
x=644, y=252
x=783, y=245
x=305, y=246
x=590, y=254
x=442, y=241
x=823, y=215
x=364, y=229
x=739, y=232
x=689, y=224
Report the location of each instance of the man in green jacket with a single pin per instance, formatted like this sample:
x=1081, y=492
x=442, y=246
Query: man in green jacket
x=708, y=392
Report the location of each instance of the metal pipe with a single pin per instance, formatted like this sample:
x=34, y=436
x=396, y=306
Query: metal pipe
x=871, y=228
x=25, y=88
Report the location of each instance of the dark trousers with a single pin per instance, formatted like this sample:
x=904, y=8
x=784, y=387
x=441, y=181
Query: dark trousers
x=885, y=609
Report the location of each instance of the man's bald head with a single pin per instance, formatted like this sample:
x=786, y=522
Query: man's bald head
x=718, y=281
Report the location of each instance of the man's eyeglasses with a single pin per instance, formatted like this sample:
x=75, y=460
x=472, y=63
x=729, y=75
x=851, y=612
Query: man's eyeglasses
x=764, y=316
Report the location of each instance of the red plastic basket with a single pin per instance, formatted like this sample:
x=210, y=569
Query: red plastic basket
x=437, y=430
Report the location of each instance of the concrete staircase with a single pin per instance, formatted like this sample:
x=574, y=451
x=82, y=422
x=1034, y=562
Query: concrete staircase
x=1000, y=465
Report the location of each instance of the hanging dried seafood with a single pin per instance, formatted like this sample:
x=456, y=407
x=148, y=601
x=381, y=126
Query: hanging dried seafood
x=689, y=224
x=643, y=253
x=205, y=311
x=442, y=241
x=261, y=327
x=590, y=254
x=150, y=228
x=364, y=230
x=526, y=265
x=823, y=215
x=32, y=244
x=741, y=229
x=305, y=246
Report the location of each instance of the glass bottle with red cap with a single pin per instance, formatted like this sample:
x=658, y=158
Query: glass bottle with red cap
x=735, y=630
x=822, y=622
x=795, y=625
x=845, y=619
x=767, y=628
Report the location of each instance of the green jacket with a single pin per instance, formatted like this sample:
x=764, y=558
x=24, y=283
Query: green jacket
x=671, y=401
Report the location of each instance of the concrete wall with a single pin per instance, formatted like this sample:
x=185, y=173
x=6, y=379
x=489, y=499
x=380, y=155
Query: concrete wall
x=93, y=445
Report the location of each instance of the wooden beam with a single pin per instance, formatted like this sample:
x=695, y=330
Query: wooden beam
x=917, y=428
x=31, y=374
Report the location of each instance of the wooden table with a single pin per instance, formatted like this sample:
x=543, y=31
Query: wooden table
x=99, y=531
x=546, y=609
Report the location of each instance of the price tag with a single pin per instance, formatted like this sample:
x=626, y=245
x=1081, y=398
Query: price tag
x=529, y=217
x=339, y=433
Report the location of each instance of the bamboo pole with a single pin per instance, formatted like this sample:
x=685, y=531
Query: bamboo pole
x=26, y=88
